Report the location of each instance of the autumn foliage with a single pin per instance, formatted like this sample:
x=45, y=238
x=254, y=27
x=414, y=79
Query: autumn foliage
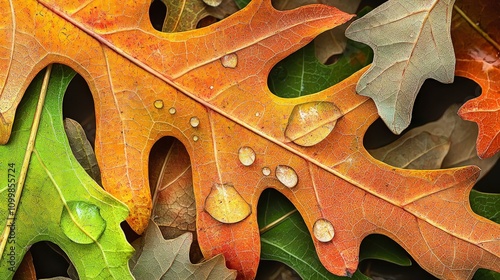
x=208, y=88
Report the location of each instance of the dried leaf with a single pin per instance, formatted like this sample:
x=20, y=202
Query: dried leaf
x=411, y=41
x=415, y=150
x=186, y=14
x=157, y=258
x=476, y=37
x=26, y=270
x=81, y=148
x=452, y=145
x=173, y=196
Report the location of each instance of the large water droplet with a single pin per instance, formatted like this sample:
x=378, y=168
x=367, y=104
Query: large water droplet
x=246, y=155
x=229, y=60
x=266, y=171
x=82, y=222
x=323, y=230
x=172, y=111
x=194, y=121
x=287, y=176
x=158, y=104
x=310, y=123
x=226, y=205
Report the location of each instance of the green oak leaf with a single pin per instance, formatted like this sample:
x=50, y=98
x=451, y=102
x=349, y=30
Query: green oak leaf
x=486, y=204
x=59, y=202
x=301, y=73
x=484, y=274
x=285, y=238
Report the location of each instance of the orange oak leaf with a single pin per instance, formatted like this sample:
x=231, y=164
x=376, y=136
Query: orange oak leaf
x=479, y=59
x=208, y=89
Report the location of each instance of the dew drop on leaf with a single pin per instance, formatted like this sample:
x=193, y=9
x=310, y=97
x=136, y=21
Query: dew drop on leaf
x=172, y=111
x=194, y=121
x=82, y=222
x=229, y=60
x=158, y=104
x=287, y=176
x=246, y=155
x=226, y=205
x=310, y=123
x=266, y=171
x=213, y=3
x=195, y=138
x=323, y=230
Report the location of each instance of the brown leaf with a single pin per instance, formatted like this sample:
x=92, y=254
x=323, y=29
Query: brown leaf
x=173, y=196
x=157, y=258
x=453, y=145
x=415, y=150
x=185, y=15
x=81, y=148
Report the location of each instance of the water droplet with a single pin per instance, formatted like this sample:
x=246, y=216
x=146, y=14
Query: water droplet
x=287, y=176
x=211, y=87
x=82, y=222
x=229, y=60
x=194, y=121
x=213, y=3
x=257, y=114
x=323, y=230
x=246, y=155
x=226, y=205
x=310, y=123
x=172, y=110
x=195, y=138
x=266, y=171
x=158, y=104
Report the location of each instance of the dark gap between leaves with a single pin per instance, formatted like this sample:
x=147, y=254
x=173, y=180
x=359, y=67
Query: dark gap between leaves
x=157, y=14
x=49, y=263
x=432, y=101
x=78, y=104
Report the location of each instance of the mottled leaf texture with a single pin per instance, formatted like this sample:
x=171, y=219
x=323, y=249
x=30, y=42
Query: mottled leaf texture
x=411, y=43
x=183, y=15
x=447, y=142
x=157, y=258
x=82, y=149
x=60, y=203
x=476, y=38
x=208, y=88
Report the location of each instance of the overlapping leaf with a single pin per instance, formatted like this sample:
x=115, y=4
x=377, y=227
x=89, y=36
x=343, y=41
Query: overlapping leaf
x=476, y=37
x=157, y=258
x=411, y=41
x=207, y=88
x=60, y=202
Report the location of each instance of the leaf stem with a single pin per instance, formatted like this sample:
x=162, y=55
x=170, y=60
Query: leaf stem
x=477, y=28
x=27, y=157
x=275, y=223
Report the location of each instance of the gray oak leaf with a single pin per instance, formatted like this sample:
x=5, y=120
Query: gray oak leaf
x=411, y=42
